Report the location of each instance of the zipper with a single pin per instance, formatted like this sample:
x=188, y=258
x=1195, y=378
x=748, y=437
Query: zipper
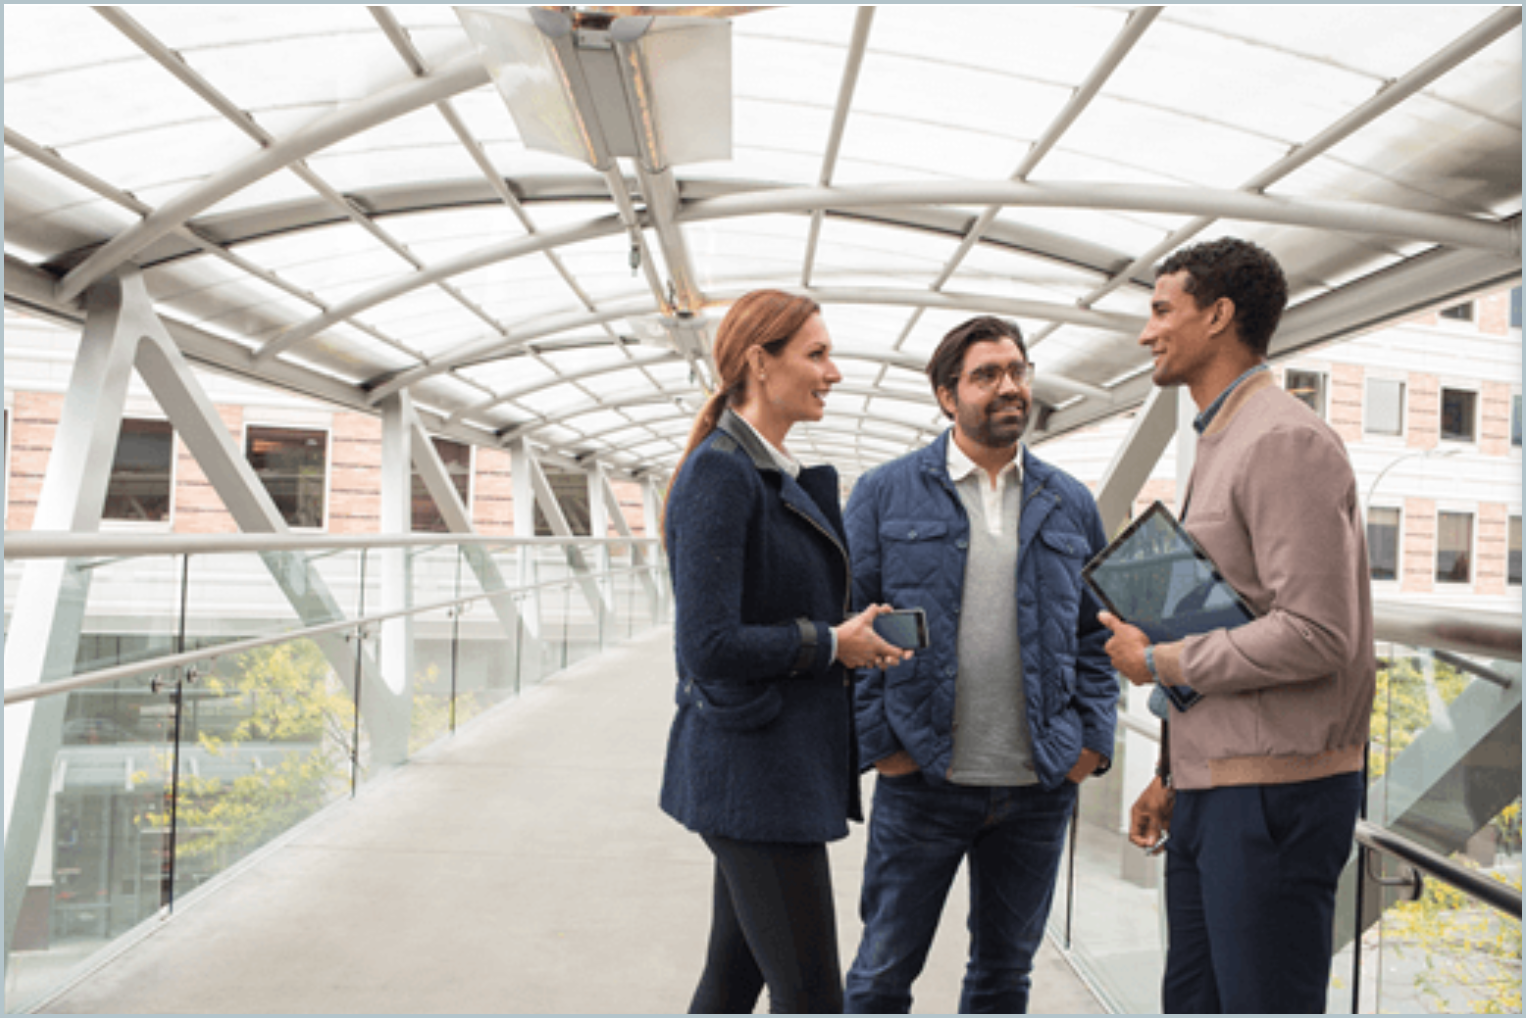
x=847, y=601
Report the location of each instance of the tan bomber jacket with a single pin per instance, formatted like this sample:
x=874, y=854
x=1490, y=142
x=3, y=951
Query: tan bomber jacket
x=1288, y=697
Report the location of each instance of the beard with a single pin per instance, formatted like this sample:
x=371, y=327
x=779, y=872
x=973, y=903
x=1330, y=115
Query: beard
x=981, y=424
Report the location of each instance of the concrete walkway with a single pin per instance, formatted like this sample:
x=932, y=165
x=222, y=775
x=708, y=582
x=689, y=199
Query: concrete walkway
x=521, y=868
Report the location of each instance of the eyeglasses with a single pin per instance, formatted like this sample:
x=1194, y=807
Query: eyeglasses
x=989, y=376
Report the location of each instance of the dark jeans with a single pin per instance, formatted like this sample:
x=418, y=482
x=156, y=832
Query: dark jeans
x=918, y=836
x=1251, y=873
x=774, y=923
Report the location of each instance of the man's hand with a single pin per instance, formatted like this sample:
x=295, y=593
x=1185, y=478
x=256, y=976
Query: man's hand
x=1088, y=763
x=896, y=764
x=1126, y=648
x=1150, y=818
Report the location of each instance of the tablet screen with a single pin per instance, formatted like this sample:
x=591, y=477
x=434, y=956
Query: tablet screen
x=1156, y=577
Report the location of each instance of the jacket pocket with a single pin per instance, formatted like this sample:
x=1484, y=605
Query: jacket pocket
x=738, y=708
x=913, y=558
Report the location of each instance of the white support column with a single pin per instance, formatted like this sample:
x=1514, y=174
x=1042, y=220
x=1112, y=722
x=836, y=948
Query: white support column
x=521, y=464
x=545, y=497
x=652, y=502
x=432, y=471
x=395, y=567
x=616, y=515
x=43, y=641
x=1136, y=458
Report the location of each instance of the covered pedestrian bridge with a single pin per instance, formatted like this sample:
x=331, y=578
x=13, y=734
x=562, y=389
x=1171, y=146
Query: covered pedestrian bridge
x=388, y=771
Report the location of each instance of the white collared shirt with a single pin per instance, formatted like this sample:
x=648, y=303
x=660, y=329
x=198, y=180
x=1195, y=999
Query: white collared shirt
x=961, y=469
x=785, y=461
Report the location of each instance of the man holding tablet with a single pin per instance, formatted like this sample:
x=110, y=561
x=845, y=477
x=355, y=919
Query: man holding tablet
x=1261, y=780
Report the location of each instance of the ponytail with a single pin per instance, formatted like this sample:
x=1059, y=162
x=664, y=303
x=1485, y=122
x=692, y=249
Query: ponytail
x=766, y=318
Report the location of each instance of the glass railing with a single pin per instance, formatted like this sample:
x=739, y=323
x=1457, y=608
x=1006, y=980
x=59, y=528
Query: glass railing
x=1444, y=776
x=216, y=696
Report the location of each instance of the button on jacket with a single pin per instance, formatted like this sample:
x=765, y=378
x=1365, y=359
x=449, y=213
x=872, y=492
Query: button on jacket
x=762, y=745
x=909, y=533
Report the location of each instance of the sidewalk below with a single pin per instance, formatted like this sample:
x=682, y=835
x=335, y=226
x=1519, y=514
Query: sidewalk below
x=523, y=867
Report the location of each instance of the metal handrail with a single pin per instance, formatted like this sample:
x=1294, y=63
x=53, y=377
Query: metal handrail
x=35, y=544
x=1499, y=896
x=1495, y=634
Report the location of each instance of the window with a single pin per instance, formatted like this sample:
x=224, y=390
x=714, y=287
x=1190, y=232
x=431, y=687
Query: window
x=1515, y=420
x=571, y=491
x=458, y=463
x=1458, y=312
x=1385, y=407
x=1513, y=559
x=1515, y=308
x=141, y=487
x=1383, y=544
x=1459, y=415
x=292, y=463
x=1454, y=548
x=1308, y=386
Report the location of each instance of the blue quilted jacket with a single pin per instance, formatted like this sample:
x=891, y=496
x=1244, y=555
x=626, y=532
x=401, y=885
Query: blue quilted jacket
x=762, y=745
x=909, y=536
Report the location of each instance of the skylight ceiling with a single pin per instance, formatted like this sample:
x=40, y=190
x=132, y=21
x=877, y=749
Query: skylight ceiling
x=346, y=196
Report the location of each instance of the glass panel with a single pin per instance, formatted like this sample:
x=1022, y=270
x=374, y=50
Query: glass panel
x=292, y=463
x=1385, y=407
x=1117, y=912
x=1308, y=386
x=1454, y=547
x=457, y=457
x=434, y=662
x=1513, y=575
x=239, y=597
x=1383, y=543
x=101, y=857
x=1444, y=953
x=1515, y=414
x=1459, y=414
x=132, y=610
x=264, y=746
x=139, y=488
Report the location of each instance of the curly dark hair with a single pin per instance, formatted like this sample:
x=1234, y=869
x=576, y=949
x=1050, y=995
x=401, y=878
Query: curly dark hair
x=948, y=360
x=1248, y=275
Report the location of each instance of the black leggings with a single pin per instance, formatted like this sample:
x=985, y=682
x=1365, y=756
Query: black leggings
x=774, y=923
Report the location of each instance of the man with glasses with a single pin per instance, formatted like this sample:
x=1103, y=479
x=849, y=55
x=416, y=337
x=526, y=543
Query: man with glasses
x=981, y=739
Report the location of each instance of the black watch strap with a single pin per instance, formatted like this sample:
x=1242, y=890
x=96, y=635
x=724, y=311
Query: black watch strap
x=807, y=656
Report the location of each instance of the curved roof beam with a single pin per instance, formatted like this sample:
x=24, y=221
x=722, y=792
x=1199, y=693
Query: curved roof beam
x=644, y=396
x=569, y=378
x=495, y=346
x=462, y=73
x=917, y=432
x=1354, y=217
x=1453, y=231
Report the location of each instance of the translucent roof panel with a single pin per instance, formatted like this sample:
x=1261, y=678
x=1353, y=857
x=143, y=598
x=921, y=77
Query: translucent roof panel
x=344, y=202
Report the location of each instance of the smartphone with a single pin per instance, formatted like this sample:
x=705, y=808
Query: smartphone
x=906, y=628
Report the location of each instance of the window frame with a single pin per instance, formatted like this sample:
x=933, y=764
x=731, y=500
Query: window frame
x=1398, y=576
x=1510, y=518
x=471, y=482
x=327, y=431
x=1471, y=551
x=1404, y=403
x=1324, y=389
x=1441, y=407
x=167, y=524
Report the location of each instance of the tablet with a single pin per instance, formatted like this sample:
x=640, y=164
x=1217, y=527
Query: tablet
x=1156, y=577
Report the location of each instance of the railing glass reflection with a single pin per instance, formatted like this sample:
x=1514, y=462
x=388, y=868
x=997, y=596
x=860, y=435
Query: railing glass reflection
x=1445, y=772
x=166, y=779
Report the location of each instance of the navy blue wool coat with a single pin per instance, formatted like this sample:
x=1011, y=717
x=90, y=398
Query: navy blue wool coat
x=762, y=747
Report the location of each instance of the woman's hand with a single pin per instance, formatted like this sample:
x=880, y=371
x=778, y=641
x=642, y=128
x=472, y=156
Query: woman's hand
x=859, y=646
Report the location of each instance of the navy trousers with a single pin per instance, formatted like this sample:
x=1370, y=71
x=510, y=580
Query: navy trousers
x=1251, y=873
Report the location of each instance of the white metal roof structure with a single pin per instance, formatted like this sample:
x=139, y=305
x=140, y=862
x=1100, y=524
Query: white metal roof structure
x=530, y=219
